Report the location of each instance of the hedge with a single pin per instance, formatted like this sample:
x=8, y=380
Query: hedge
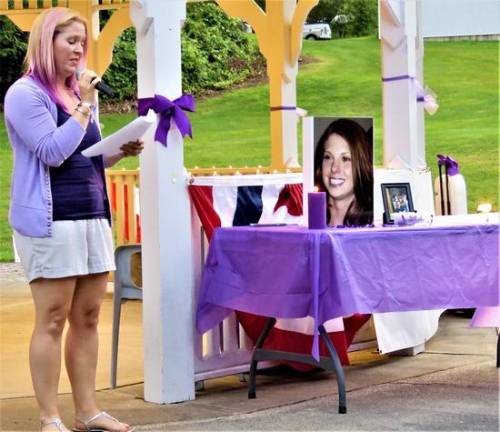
x=216, y=53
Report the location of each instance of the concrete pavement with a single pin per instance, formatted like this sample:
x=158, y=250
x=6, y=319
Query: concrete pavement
x=452, y=386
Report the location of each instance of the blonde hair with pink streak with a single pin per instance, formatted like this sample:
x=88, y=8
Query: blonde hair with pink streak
x=39, y=60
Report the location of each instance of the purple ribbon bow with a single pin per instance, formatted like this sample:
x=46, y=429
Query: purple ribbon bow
x=169, y=110
x=449, y=163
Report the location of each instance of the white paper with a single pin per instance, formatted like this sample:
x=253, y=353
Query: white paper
x=110, y=145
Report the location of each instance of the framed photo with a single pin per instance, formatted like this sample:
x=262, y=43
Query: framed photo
x=397, y=199
x=338, y=160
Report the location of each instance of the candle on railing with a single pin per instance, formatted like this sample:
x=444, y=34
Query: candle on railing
x=316, y=205
x=484, y=208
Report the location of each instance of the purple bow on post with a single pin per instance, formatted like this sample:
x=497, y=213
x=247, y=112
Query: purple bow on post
x=169, y=110
x=449, y=163
x=450, y=169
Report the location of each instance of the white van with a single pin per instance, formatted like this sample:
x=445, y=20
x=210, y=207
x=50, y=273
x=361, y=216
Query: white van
x=317, y=31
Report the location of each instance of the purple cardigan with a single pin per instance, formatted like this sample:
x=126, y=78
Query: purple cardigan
x=31, y=119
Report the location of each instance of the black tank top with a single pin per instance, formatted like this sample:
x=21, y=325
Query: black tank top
x=77, y=185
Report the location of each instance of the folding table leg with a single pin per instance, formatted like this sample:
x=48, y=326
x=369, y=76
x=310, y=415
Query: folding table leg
x=253, y=365
x=339, y=372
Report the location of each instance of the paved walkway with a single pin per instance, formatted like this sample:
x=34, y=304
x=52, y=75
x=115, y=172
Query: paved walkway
x=11, y=270
x=452, y=386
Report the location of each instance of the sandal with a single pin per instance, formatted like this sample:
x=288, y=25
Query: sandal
x=89, y=428
x=56, y=421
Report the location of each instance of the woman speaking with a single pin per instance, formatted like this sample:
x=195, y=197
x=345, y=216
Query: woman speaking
x=59, y=212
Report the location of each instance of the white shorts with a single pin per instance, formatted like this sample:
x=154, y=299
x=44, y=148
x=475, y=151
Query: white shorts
x=76, y=248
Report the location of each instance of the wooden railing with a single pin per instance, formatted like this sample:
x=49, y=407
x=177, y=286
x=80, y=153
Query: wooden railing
x=8, y=6
x=123, y=191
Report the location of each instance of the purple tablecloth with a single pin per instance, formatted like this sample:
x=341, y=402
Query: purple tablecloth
x=292, y=272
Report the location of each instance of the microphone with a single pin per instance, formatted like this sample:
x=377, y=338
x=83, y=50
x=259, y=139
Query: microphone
x=100, y=86
x=104, y=88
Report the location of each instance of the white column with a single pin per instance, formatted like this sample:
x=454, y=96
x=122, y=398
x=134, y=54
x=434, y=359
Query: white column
x=289, y=95
x=419, y=70
x=289, y=124
x=402, y=148
x=165, y=214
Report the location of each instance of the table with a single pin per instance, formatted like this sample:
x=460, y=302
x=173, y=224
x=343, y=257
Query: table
x=292, y=272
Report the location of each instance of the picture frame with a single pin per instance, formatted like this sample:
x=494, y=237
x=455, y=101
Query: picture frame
x=357, y=132
x=397, y=198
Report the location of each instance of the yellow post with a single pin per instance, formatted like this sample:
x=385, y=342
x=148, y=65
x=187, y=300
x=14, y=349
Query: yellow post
x=279, y=34
x=119, y=21
x=101, y=42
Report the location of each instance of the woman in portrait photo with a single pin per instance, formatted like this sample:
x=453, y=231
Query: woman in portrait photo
x=343, y=168
x=59, y=212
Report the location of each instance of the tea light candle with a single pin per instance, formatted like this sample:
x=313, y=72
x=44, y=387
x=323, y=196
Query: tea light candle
x=484, y=208
x=316, y=204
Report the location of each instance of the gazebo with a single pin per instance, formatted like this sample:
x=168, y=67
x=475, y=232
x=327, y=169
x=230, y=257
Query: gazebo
x=170, y=247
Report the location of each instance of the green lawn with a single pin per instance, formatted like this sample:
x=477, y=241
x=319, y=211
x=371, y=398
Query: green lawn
x=233, y=129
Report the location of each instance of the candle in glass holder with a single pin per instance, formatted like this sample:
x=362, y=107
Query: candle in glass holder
x=316, y=204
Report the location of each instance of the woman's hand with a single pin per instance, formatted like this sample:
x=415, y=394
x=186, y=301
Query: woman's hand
x=87, y=80
x=132, y=148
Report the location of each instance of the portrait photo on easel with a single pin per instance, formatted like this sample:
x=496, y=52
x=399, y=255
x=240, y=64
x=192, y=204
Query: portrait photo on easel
x=338, y=160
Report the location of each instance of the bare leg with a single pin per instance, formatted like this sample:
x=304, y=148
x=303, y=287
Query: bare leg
x=52, y=299
x=81, y=348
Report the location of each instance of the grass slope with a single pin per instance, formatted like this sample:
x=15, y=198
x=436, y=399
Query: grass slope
x=233, y=129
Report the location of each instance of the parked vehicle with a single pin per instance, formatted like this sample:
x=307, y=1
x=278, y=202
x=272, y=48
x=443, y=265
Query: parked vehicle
x=317, y=31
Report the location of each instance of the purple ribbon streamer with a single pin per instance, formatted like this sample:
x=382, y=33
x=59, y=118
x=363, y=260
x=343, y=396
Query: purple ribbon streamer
x=315, y=284
x=283, y=108
x=429, y=101
x=169, y=110
x=397, y=78
x=449, y=163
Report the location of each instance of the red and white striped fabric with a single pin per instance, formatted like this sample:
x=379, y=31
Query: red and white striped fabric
x=267, y=199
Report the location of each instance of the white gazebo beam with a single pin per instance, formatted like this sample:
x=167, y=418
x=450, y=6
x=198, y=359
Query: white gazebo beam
x=402, y=54
x=168, y=309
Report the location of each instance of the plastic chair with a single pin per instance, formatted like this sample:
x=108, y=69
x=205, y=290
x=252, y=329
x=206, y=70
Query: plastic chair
x=124, y=289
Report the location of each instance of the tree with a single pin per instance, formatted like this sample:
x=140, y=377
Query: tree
x=13, y=43
x=216, y=52
x=362, y=17
x=325, y=11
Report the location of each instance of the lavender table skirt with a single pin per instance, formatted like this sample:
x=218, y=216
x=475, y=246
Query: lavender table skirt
x=292, y=272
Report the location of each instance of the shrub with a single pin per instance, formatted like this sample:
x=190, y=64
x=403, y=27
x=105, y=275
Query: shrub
x=122, y=73
x=13, y=44
x=216, y=54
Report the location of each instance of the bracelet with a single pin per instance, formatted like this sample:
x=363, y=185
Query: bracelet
x=85, y=113
x=87, y=105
